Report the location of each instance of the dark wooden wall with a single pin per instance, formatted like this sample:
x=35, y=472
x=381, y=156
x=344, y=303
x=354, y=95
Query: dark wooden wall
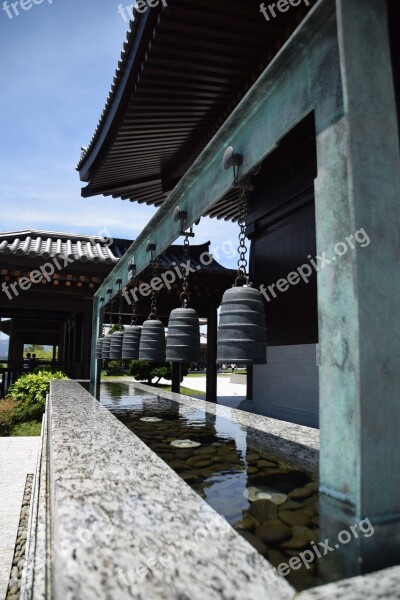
x=394, y=35
x=281, y=226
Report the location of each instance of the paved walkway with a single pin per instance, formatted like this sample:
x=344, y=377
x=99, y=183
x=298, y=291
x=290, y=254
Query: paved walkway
x=229, y=394
x=18, y=457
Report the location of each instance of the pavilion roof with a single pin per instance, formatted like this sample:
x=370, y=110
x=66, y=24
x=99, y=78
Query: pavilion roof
x=35, y=243
x=183, y=70
x=45, y=244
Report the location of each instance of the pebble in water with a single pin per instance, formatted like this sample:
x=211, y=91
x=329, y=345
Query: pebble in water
x=254, y=493
x=18, y=562
x=301, y=493
x=185, y=444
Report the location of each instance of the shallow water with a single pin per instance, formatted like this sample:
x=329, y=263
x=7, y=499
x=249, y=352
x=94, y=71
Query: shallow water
x=269, y=502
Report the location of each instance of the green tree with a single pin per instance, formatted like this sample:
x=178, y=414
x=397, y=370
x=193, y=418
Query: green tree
x=40, y=351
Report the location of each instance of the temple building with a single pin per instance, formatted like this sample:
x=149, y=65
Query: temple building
x=307, y=106
x=47, y=284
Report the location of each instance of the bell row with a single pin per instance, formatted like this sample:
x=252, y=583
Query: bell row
x=242, y=336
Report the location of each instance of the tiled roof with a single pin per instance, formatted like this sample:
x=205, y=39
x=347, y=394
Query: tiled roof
x=85, y=248
x=46, y=244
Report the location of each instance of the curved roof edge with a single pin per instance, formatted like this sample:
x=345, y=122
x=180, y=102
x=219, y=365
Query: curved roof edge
x=119, y=87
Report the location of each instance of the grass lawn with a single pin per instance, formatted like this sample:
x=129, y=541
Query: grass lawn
x=204, y=374
x=184, y=390
x=195, y=375
x=220, y=374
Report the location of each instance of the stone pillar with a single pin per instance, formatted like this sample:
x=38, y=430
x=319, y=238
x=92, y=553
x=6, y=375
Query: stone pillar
x=98, y=314
x=61, y=343
x=249, y=381
x=358, y=189
x=212, y=373
x=87, y=338
x=176, y=378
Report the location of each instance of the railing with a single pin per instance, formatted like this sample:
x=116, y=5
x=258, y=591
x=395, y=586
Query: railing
x=11, y=371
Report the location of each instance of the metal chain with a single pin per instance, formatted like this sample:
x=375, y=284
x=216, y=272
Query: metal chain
x=245, y=187
x=111, y=313
x=103, y=325
x=153, y=312
x=134, y=306
x=120, y=326
x=185, y=286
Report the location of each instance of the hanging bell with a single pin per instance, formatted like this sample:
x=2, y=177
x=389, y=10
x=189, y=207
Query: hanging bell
x=152, y=341
x=183, y=339
x=99, y=348
x=131, y=342
x=105, y=353
x=116, y=345
x=242, y=333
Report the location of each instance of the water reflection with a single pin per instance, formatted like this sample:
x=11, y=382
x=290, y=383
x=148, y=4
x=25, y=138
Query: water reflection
x=271, y=504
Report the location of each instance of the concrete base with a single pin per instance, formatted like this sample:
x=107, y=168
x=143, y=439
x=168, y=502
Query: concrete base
x=371, y=544
x=287, y=387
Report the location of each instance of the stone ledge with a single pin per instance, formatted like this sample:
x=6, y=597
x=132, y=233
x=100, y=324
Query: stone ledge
x=116, y=507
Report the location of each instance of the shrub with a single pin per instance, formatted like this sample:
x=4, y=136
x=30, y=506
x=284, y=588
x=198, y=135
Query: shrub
x=30, y=391
x=33, y=428
x=114, y=369
x=146, y=371
x=7, y=415
x=141, y=370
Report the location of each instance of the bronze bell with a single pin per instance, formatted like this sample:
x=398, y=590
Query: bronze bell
x=131, y=342
x=183, y=338
x=99, y=348
x=116, y=345
x=152, y=341
x=242, y=333
x=105, y=353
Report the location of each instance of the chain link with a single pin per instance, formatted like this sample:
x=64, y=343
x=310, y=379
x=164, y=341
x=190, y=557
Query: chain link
x=185, y=286
x=120, y=326
x=134, y=306
x=111, y=312
x=245, y=188
x=103, y=325
x=153, y=312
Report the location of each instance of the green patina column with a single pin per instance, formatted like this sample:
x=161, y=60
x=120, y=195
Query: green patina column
x=95, y=370
x=358, y=188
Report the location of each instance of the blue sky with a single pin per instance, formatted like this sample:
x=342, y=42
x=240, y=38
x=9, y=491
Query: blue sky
x=57, y=64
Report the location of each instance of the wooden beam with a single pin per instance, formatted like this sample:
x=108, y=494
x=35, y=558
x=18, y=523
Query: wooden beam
x=271, y=108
